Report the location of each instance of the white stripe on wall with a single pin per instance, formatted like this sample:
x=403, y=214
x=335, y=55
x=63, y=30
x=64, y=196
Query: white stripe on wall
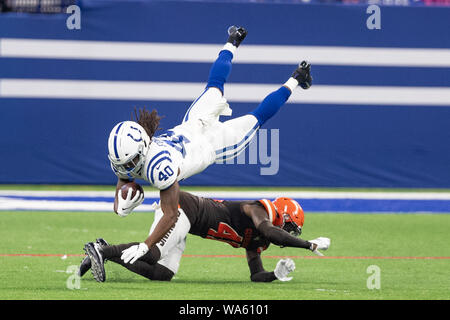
x=254, y=93
x=184, y=52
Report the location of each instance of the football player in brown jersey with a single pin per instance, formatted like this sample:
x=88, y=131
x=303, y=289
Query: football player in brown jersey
x=249, y=224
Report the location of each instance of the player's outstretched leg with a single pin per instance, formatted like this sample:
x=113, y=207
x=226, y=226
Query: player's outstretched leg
x=150, y=271
x=233, y=136
x=221, y=68
x=273, y=102
x=101, y=251
x=210, y=104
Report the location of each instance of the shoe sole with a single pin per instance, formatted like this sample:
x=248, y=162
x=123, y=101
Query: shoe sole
x=86, y=267
x=97, y=267
x=101, y=242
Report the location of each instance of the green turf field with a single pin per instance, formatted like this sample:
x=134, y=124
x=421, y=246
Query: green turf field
x=353, y=236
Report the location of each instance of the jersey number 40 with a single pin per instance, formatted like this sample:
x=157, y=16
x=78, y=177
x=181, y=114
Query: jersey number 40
x=165, y=174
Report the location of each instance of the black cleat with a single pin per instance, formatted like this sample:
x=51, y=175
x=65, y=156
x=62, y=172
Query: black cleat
x=94, y=251
x=236, y=35
x=84, y=266
x=102, y=242
x=303, y=75
x=86, y=262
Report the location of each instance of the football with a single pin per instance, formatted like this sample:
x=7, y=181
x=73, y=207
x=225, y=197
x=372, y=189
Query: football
x=134, y=186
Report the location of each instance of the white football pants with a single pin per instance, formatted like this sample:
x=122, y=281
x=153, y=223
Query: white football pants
x=228, y=138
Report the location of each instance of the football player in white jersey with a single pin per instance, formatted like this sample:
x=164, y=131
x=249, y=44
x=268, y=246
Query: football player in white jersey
x=199, y=141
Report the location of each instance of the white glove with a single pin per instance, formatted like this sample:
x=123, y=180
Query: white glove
x=320, y=243
x=125, y=206
x=134, y=252
x=283, y=268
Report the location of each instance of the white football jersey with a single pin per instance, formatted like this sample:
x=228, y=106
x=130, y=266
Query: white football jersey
x=173, y=156
x=195, y=144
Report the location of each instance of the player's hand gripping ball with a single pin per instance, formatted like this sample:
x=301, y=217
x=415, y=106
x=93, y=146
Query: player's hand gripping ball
x=130, y=196
x=133, y=186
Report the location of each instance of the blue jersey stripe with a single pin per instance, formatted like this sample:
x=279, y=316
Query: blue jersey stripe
x=154, y=165
x=186, y=117
x=115, y=141
x=233, y=147
x=235, y=153
x=154, y=158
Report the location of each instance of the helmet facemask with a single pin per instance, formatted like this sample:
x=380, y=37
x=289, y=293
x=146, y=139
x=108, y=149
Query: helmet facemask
x=290, y=216
x=132, y=164
x=290, y=226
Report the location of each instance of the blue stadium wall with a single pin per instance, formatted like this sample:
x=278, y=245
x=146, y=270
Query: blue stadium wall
x=63, y=140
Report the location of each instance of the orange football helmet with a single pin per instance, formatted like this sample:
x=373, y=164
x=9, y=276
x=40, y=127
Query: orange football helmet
x=285, y=213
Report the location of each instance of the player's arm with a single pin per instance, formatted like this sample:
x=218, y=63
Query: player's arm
x=272, y=233
x=163, y=175
x=169, y=206
x=258, y=274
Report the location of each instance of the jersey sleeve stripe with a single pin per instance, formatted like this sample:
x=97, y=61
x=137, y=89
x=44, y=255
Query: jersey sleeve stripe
x=155, y=157
x=269, y=208
x=153, y=168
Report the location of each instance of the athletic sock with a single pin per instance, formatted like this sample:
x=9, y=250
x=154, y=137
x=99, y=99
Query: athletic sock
x=220, y=70
x=271, y=104
x=228, y=46
x=291, y=84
